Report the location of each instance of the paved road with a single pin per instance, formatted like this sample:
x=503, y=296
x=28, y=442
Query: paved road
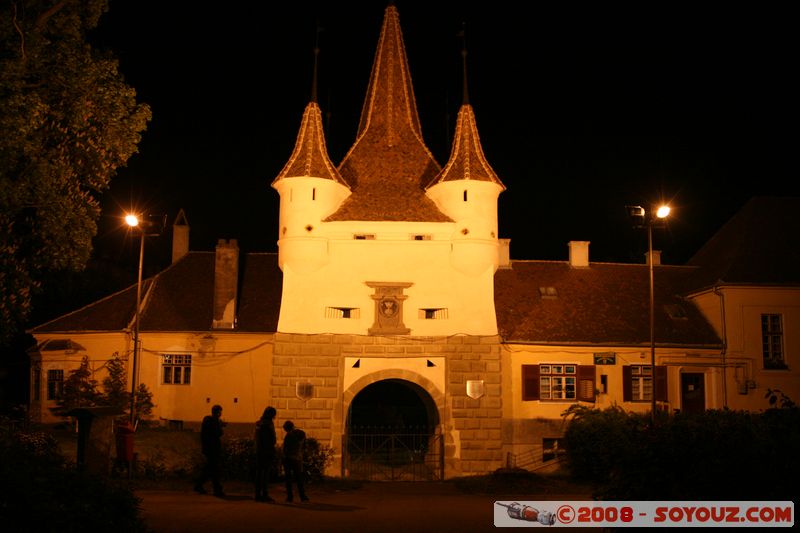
x=380, y=507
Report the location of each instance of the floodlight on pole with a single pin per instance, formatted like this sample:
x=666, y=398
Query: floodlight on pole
x=133, y=221
x=643, y=218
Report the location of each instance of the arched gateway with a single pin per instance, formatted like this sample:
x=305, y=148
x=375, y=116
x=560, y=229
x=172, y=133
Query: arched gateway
x=393, y=430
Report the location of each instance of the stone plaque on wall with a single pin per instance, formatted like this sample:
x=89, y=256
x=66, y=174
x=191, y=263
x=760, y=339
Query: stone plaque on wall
x=389, y=299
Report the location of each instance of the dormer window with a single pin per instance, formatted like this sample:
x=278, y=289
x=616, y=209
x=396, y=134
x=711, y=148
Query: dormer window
x=675, y=311
x=548, y=293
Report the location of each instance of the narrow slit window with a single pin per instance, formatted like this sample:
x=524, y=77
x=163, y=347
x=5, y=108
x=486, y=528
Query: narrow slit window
x=364, y=236
x=433, y=313
x=314, y=193
x=465, y=195
x=342, y=312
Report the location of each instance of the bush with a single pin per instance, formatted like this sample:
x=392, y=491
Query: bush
x=720, y=455
x=42, y=492
x=239, y=458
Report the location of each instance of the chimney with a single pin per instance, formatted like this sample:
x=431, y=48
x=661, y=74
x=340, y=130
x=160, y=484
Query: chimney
x=579, y=254
x=656, y=257
x=226, y=281
x=180, y=236
x=504, y=251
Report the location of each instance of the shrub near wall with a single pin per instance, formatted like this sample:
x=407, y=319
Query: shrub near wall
x=40, y=491
x=714, y=455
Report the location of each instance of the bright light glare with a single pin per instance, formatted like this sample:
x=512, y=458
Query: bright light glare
x=132, y=220
x=663, y=211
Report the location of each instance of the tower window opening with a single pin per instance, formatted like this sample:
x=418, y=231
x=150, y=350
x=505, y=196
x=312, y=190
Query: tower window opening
x=342, y=312
x=465, y=195
x=433, y=313
x=314, y=193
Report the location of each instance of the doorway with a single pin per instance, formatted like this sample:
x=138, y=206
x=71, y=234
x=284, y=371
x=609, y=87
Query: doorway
x=693, y=395
x=392, y=434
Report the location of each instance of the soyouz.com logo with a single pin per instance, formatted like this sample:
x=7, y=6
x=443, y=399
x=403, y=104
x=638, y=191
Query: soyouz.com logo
x=644, y=514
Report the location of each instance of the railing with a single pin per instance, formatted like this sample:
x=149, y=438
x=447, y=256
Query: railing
x=394, y=453
x=535, y=458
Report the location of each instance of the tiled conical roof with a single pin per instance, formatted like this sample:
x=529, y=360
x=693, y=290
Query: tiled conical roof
x=389, y=164
x=310, y=155
x=467, y=161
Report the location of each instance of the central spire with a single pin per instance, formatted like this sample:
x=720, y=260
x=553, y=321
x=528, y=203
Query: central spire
x=388, y=164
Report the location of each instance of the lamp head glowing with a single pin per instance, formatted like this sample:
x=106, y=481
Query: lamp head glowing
x=663, y=211
x=132, y=220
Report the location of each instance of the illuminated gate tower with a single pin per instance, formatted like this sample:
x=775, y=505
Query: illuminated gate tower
x=388, y=264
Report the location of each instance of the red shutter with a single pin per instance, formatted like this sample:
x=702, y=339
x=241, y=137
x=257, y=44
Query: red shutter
x=530, y=382
x=586, y=383
x=626, y=384
x=661, y=383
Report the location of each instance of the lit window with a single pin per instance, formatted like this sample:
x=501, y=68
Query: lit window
x=177, y=369
x=772, y=342
x=557, y=382
x=55, y=384
x=641, y=383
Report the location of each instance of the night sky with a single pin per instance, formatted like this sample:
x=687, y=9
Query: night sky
x=581, y=108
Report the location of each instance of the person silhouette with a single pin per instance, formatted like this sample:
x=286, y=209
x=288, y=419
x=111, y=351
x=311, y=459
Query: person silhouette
x=211, y=441
x=293, y=460
x=265, y=441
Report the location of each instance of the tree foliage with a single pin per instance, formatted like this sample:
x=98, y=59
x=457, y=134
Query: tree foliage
x=68, y=121
x=80, y=388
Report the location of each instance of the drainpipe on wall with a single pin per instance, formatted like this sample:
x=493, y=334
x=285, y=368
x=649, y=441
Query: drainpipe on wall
x=719, y=293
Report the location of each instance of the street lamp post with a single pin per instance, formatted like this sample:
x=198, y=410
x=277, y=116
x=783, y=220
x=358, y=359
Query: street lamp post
x=648, y=219
x=133, y=222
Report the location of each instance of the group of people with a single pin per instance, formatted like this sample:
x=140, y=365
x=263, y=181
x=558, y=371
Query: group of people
x=265, y=441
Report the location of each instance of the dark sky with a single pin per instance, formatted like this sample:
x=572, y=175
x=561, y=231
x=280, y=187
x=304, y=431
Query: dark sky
x=582, y=108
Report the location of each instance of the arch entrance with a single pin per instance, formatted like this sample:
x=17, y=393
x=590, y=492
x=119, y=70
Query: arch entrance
x=392, y=433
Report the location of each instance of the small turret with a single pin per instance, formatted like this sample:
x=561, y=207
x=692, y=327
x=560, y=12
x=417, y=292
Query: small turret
x=310, y=188
x=466, y=190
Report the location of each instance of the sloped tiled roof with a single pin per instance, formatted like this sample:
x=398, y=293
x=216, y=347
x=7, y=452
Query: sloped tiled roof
x=112, y=313
x=389, y=163
x=467, y=161
x=181, y=299
x=603, y=304
x=310, y=155
x=759, y=245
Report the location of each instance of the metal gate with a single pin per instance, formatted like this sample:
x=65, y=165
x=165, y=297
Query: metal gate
x=394, y=454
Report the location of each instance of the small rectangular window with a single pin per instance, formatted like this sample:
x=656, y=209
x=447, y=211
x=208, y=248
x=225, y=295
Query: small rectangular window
x=433, y=313
x=420, y=237
x=176, y=369
x=342, y=312
x=364, y=236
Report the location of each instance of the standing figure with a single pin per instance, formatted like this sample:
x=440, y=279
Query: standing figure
x=211, y=440
x=265, y=453
x=293, y=460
